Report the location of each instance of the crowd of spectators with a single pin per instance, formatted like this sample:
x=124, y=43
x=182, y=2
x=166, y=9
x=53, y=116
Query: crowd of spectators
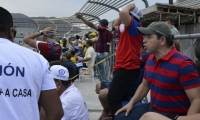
x=147, y=59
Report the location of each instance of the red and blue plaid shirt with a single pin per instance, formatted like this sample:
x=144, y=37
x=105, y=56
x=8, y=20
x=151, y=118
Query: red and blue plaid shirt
x=104, y=39
x=50, y=51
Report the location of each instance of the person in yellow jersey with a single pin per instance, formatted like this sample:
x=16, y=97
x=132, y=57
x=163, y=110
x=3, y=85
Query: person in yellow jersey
x=93, y=36
x=73, y=56
x=61, y=42
x=85, y=38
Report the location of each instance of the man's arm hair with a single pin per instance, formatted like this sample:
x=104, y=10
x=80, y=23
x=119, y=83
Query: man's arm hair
x=30, y=39
x=50, y=101
x=125, y=15
x=116, y=23
x=90, y=24
x=194, y=97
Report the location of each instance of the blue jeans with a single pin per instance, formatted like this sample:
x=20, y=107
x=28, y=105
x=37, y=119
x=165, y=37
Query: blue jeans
x=100, y=67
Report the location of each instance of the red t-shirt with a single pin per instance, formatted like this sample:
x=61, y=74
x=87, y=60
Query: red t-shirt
x=128, y=49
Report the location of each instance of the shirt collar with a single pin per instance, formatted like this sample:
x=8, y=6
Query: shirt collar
x=67, y=90
x=168, y=55
x=4, y=40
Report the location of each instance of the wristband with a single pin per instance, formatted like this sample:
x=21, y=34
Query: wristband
x=41, y=33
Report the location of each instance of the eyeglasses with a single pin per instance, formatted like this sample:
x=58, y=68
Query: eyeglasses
x=14, y=31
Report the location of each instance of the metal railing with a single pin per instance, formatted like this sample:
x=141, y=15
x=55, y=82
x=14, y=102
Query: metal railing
x=187, y=43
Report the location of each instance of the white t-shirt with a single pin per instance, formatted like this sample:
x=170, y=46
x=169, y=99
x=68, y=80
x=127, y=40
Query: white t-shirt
x=73, y=105
x=23, y=75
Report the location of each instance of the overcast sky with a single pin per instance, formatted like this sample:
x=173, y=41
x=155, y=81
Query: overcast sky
x=58, y=8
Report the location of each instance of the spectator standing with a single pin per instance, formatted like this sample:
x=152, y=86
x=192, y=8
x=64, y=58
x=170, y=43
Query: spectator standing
x=103, y=42
x=24, y=79
x=127, y=66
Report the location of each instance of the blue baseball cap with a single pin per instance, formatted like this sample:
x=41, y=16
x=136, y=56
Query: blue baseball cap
x=104, y=22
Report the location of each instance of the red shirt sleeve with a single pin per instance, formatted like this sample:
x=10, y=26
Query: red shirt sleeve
x=101, y=29
x=43, y=46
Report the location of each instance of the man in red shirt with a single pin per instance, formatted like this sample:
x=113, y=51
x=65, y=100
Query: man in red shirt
x=103, y=42
x=126, y=69
x=49, y=47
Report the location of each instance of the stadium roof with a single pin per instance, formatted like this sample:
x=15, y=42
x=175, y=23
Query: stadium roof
x=92, y=9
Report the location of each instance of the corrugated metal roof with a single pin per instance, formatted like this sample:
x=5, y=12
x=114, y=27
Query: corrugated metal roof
x=189, y=3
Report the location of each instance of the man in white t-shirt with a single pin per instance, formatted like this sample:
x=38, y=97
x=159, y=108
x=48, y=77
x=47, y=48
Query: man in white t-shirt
x=71, y=98
x=24, y=79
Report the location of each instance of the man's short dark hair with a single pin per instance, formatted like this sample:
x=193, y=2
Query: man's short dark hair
x=6, y=20
x=65, y=49
x=73, y=52
x=86, y=35
x=170, y=41
x=65, y=83
x=57, y=62
x=77, y=37
x=89, y=42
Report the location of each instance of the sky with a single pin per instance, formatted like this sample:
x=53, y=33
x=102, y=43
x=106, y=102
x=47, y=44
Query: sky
x=59, y=8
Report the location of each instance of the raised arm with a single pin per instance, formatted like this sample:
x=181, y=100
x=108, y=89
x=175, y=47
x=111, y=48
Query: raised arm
x=90, y=24
x=125, y=15
x=30, y=39
x=117, y=23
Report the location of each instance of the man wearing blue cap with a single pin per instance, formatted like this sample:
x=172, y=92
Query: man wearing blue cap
x=103, y=42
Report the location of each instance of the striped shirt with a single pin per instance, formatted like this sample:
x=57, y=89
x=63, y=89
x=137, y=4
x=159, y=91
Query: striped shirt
x=169, y=77
x=104, y=39
x=50, y=51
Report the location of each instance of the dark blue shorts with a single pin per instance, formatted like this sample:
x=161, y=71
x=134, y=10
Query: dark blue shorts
x=105, y=84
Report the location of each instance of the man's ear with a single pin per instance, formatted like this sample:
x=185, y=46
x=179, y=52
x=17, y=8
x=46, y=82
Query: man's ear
x=10, y=34
x=59, y=84
x=163, y=40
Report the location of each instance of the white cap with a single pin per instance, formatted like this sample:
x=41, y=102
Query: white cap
x=51, y=36
x=59, y=72
x=137, y=12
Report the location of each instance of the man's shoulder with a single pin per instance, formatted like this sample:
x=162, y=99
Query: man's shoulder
x=28, y=55
x=68, y=62
x=72, y=95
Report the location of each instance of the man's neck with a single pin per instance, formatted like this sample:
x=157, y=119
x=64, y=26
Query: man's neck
x=161, y=53
x=4, y=37
x=64, y=88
